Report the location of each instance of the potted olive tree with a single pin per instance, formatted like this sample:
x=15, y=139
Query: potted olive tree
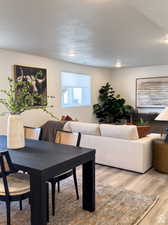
x=17, y=99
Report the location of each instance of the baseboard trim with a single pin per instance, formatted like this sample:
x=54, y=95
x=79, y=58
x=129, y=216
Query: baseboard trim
x=124, y=169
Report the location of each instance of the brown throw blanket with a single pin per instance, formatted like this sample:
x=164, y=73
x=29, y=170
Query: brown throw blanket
x=49, y=130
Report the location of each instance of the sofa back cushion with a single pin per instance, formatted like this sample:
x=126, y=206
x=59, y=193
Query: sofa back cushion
x=83, y=128
x=128, y=132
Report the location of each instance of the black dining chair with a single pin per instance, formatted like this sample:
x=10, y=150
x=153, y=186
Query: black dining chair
x=67, y=138
x=14, y=186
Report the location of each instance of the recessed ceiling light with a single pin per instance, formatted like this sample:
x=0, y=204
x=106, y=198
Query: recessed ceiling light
x=118, y=64
x=71, y=53
x=165, y=39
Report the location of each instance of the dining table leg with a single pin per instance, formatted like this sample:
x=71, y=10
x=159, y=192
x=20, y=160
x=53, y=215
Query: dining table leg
x=88, y=185
x=38, y=200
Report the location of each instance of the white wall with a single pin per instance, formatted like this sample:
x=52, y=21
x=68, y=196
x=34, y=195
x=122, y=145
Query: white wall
x=36, y=117
x=124, y=81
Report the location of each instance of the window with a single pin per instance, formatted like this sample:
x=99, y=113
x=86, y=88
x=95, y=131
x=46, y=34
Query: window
x=76, y=90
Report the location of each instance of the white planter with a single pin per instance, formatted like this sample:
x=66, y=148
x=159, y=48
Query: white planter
x=15, y=132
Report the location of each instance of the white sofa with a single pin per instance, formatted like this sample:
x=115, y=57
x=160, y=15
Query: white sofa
x=116, y=145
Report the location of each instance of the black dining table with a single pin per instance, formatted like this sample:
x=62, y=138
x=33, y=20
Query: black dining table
x=44, y=160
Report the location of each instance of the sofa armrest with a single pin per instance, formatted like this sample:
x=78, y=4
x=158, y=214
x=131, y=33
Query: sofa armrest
x=148, y=138
x=146, y=149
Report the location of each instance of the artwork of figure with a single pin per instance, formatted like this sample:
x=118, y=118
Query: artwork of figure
x=36, y=77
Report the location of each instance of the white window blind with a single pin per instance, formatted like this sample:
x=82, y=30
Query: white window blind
x=76, y=89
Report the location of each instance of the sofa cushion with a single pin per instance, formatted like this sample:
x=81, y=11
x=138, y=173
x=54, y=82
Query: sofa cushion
x=84, y=128
x=128, y=132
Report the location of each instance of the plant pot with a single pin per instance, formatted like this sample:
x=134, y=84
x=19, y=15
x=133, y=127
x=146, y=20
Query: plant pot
x=143, y=130
x=15, y=132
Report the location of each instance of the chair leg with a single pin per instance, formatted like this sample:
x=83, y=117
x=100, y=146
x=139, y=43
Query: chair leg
x=53, y=197
x=47, y=193
x=58, y=186
x=20, y=203
x=30, y=200
x=8, y=212
x=76, y=183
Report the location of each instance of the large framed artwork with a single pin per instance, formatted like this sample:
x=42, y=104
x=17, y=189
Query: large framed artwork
x=152, y=92
x=37, y=77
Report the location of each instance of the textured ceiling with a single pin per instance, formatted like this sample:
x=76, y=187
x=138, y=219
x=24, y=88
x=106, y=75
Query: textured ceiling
x=92, y=32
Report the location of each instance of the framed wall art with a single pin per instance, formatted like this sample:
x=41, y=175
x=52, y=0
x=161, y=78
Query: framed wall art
x=37, y=77
x=152, y=92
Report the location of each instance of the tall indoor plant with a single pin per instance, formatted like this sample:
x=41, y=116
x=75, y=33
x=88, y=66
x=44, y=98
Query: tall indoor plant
x=17, y=99
x=111, y=108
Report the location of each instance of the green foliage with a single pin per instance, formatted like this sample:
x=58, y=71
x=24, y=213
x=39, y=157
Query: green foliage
x=19, y=98
x=141, y=122
x=111, y=108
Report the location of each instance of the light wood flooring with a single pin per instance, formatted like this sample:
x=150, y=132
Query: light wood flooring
x=150, y=183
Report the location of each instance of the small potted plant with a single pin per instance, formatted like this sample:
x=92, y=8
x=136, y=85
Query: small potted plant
x=17, y=99
x=142, y=127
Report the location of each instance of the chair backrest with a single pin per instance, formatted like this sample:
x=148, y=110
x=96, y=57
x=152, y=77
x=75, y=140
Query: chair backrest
x=68, y=138
x=6, y=168
x=32, y=133
x=6, y=164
